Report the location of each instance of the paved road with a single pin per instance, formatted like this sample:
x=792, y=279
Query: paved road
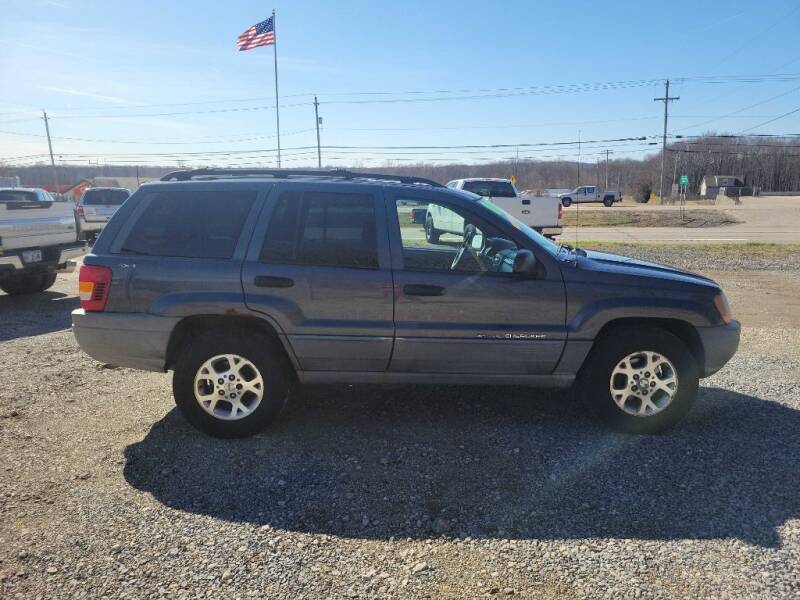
x=764, y=220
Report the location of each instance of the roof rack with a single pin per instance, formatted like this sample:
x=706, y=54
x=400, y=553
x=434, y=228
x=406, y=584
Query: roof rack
x=189, y=174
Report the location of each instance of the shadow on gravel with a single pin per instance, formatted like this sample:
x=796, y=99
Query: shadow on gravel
x=35, y=314
x=412, y=462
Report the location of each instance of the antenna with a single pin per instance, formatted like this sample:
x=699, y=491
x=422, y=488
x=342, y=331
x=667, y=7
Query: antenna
x=578, y=204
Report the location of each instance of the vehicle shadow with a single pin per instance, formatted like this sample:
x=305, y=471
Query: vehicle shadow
x=513, y=463
x=35, y=314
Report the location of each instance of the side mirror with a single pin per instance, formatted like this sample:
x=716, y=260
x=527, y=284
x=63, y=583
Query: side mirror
x=525, y=263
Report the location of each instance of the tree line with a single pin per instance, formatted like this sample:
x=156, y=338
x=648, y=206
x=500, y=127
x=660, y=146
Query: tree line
x=769, y=163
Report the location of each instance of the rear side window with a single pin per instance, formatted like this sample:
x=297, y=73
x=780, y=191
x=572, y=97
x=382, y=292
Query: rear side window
x=190, y=224
x=322, y=229
x=105, y=197
x=491, y=189
x=18, y=196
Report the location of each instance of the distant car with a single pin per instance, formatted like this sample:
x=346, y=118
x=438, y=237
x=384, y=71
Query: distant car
x=541, y=213
x=589, y=193
x=96, y=207
x=37, y=240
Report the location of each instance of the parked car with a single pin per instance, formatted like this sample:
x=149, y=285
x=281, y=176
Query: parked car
x=96, y=206
x=37, y=239
x=247, y=282
x=541, y=213
x=590, y=193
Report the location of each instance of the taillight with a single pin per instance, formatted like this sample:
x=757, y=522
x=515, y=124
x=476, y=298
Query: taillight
x=560, y=211
x=93, y=284
x=79, y=210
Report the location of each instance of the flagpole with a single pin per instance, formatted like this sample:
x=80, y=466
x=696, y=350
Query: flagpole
x=277, y=109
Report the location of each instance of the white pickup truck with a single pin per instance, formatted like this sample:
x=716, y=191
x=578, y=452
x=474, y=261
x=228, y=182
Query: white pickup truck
x=590, y=193
x=542, y=213
x=38, y=238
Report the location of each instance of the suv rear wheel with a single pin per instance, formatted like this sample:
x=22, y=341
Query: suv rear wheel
x=231, y=384
x=639, y=380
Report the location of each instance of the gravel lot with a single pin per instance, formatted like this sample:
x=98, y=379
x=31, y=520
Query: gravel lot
x=403, y=492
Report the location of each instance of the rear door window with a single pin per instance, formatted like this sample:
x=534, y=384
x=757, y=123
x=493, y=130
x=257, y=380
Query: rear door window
x=18, y=196
x=190, y=224
x=105, y=197
x=322, y=229
x=491, y=189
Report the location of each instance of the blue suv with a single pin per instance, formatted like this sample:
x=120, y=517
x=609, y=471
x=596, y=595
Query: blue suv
x=245, y=283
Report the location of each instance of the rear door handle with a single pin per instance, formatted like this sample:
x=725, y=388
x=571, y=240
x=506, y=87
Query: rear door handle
x=421, y=289
x=273, y=282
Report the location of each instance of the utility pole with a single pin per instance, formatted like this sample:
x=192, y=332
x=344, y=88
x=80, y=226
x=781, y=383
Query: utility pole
x=50, y=147
x=606, y=185
x=317, y=119
x=579, y=158
x=666, y=100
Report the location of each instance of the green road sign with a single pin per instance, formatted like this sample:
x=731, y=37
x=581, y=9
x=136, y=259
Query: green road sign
x=684, y=180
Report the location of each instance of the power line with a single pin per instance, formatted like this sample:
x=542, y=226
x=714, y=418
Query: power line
x=736, y=112
x=221, y=139
x=791, y=112
x=464, y=94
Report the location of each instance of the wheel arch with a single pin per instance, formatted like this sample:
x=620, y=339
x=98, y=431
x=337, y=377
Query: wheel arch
x=195, y=325
x=684, y=331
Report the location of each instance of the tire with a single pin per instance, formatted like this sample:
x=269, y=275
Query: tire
x=602, y=372
x=264, y=358
x=565, y=202
x=431, y=233
x=608, y=201
x=19, y=285
x=47, y=281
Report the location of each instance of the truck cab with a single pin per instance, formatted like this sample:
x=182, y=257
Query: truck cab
x=541, y=213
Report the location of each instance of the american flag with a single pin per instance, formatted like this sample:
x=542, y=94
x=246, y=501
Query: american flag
x=260, y=34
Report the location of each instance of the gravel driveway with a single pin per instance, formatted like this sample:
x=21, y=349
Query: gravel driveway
x=406, y=492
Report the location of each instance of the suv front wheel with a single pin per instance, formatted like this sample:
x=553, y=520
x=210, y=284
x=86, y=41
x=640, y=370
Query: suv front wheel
x=231, y=385
x=639, y=380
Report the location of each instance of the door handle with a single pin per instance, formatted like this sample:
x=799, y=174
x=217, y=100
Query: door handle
x=421, y=289
x=273, y=282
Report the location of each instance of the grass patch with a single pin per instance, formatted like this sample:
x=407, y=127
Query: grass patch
x=695, y=218
x=752, y=248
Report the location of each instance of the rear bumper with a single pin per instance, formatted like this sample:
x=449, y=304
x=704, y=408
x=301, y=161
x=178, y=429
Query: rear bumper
x=124, y=339
x=61, y=258
x=719, y=345
x=92, y=225
x=552, y=230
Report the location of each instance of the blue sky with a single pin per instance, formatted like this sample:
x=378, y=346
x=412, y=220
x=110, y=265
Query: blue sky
x=108, y=71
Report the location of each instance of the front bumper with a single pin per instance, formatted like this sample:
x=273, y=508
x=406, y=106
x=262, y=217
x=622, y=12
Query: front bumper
x=61, y=258
x=719, y=345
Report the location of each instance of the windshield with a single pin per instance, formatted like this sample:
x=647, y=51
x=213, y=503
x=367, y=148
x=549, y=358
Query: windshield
x=18, y=196
x=493, y=189
x=534, y=235
x=105, y=197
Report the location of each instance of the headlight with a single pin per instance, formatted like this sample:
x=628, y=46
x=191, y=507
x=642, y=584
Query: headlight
x=723, y=307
